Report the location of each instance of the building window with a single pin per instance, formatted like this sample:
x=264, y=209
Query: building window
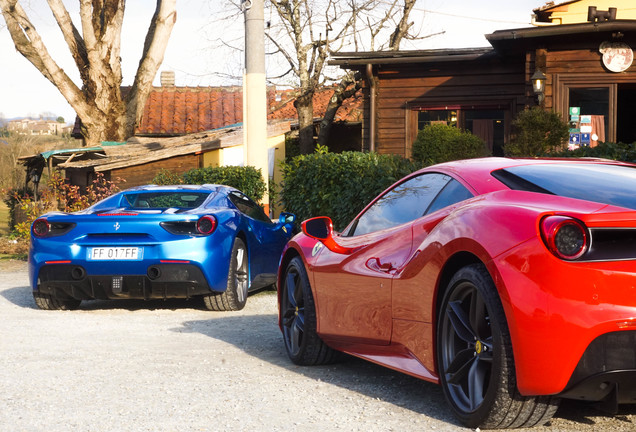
x=427, y=117
x=488, y=122
x=588, y=114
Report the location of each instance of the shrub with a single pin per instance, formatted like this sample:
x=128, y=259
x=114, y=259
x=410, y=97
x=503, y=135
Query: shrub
x=247, y=179
x=58, y=195
x=338, y=185
x=438, y=143
x=12, y=198
x=167, y=177
x=615, y=151
x=537, y=132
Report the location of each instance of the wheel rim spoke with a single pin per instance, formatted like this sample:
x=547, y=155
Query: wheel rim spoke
x=460, y=322
x=478, y=316
x=459, y=368
x=290, y=284
x=240, y=255
x=296, y=336
x=477, y=382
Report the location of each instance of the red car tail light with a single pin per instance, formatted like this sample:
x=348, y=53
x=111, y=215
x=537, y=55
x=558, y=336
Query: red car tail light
x=565, y=237
x=41, y=227
x=206, y=225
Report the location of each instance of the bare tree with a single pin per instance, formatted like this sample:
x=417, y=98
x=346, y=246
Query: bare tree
x=352, y=82
x=309, y=30
x=106, y=113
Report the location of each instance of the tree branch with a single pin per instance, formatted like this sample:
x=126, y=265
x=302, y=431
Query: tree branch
x=154, y=48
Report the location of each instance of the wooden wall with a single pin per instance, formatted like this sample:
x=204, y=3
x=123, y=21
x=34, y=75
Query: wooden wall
x=138, y=175
x=401, y=88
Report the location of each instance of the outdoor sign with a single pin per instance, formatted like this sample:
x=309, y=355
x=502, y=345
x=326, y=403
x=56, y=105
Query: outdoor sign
x=575, y=139
x=617, y=56
x=585, y=139
x=574, y=113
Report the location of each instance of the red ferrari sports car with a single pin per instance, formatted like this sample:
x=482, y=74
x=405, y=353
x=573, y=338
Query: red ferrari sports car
x=510, y=282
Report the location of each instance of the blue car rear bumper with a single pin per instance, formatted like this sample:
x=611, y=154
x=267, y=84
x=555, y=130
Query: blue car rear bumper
x=161, y=281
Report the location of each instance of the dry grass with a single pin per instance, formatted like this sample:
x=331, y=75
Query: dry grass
x=4, y=219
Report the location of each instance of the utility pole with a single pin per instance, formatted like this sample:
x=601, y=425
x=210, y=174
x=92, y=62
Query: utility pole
x=254, y=91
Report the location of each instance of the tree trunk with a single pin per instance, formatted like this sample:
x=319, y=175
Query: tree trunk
x=305, y=109
x=346, y=88
x=105, y=114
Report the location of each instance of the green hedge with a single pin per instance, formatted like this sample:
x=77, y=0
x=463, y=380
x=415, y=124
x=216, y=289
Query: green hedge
x=438, y=143
x=247, y=179
x=338, y=185
x=615, y=151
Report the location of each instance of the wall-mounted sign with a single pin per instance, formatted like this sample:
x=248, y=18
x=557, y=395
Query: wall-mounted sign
x=617, y=56
x=575, y=139
x=585, y=140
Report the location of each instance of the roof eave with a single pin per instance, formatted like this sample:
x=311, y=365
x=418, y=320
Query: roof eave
x=560, y=30
x=359, y=59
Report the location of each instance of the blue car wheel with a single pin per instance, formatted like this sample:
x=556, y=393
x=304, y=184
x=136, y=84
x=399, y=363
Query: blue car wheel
x=49, y=302
x=235, y=296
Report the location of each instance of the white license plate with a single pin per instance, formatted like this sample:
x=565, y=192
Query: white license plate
x=115, y=253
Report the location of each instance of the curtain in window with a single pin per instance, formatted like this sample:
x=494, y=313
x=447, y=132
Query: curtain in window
x=598, y=129
x=485, y=130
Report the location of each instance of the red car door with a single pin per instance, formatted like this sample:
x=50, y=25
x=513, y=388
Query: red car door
x=353, y=289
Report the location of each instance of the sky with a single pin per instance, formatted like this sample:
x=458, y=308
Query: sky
x=198, y=57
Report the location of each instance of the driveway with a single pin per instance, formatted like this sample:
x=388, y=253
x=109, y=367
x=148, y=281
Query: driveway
x=172, y=366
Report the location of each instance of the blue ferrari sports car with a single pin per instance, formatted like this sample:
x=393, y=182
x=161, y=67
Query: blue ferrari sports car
x=157, y=242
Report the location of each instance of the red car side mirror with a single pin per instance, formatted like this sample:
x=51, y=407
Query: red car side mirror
x=321, y=228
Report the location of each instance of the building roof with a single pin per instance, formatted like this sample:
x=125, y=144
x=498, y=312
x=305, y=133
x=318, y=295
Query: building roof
x=140, y=150
x=350, y=111
x=174, y=111
x=508, y=40
x=358, y=59
x=184, y=110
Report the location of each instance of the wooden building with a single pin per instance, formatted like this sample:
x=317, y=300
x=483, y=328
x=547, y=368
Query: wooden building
x=584, y=66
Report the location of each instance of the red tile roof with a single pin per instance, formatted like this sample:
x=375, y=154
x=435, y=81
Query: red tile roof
x=184, y=110
x=351, y=109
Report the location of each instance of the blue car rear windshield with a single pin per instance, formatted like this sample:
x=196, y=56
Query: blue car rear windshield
x=602, y=183
x=164, y=200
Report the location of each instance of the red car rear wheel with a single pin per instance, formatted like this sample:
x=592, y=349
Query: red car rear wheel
x=474, y=354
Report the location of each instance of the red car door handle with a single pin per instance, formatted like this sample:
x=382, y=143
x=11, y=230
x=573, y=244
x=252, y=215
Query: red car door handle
x=375, y=264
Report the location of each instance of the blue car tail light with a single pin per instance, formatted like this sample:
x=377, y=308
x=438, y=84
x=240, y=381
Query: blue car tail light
x=43, y=228
x=206, y=225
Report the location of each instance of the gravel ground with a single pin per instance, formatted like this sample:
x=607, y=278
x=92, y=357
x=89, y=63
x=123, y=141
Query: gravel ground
x=172, y=366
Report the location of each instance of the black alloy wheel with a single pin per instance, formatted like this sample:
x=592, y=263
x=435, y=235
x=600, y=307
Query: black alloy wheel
x=298, y=317
x=475, y=359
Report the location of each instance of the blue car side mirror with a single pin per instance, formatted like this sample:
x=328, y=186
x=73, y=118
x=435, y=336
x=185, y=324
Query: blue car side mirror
x=286, y=218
